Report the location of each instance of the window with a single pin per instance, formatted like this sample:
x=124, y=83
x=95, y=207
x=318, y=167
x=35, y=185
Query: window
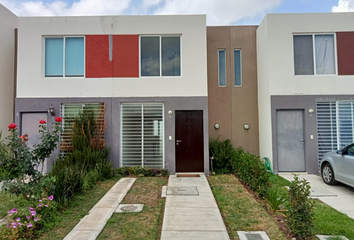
x=69, y=111
x=160, y=56
x=222, y=67
x=237, y=67
x=335, y=125
x=314, y=54
x=64, y=57
x=142, y=138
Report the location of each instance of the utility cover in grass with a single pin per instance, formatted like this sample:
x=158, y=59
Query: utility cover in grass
x=331, y=237
x=129, y=208
x=256, y=235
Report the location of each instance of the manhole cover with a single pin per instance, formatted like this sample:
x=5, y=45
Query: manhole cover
x=253, y=236
x=182, y=191
x=129, y=208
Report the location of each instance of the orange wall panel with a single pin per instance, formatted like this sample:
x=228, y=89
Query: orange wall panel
x=97, y=60
x=126, y=56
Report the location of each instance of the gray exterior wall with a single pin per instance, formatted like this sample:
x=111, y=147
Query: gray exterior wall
x=301, y=102
x=112, y=114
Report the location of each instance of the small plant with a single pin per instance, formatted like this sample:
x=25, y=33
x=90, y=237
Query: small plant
x=222, y=152
x=274, y=199
x=24, y=222
x=300, y=211
x=146, y=172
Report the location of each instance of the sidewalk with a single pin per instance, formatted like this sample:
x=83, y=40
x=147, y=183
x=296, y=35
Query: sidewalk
x=92, y=224
x=344, y=200
x=191, y=211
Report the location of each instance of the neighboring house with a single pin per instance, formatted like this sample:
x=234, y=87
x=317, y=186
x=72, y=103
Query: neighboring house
x=305, y=87
x=147, y=74
x=232, y=85
x=8, y=25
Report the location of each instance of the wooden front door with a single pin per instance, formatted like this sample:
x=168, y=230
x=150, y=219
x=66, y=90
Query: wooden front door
x=189, y=141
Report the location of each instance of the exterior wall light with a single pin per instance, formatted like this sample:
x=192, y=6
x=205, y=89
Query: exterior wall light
x=311, y=110
x=169, y=112
x=246, y=126
x=217, y=126
x=51, y=110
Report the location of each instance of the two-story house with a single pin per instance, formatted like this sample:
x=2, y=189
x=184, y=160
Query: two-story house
x=305, y=87
x=146, y=76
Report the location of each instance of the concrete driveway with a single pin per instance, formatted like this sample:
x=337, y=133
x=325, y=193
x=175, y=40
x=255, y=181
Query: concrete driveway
x=340, y=197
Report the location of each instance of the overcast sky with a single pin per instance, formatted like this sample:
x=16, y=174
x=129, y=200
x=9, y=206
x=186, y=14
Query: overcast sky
x=219, y=12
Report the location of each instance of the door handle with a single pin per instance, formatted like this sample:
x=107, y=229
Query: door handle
x=302, y=141
x=178, y=141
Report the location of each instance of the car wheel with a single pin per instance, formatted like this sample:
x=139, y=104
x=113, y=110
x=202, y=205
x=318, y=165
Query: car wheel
x=328, y=174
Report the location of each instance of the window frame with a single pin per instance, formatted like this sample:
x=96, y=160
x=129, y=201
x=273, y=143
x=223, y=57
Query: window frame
x=314, y=53
x=64, y=42
x=221, y=49
x=160, y=54
x=240, y=50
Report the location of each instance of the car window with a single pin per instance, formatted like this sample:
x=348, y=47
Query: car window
x=351, y=151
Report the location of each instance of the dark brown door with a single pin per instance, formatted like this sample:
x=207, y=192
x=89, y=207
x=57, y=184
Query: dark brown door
x=189, y=141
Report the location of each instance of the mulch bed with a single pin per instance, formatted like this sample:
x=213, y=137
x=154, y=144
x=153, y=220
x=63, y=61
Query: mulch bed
x=279, y=218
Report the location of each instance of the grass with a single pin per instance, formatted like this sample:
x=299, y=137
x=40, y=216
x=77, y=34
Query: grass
x=78, y=208
x=328, y=221
x=143, y=225
x=6, y=203
x=241, y=212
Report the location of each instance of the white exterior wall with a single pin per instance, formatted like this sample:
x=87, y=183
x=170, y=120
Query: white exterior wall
x=8, y=23
x=192, y=82
x=276, y=63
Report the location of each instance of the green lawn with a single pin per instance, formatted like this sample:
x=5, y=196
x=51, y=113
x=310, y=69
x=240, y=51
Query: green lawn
x=328, y=221
x=78, y=208
x=241, y=212
x=145, y=224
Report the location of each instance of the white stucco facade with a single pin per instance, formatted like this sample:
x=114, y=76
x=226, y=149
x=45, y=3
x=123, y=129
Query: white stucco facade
x=275, y=56
x=8, y=24
x=33, y=84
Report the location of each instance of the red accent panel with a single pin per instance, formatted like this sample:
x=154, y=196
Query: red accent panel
x=97, y=57
x=345, y=53
x=126, y=56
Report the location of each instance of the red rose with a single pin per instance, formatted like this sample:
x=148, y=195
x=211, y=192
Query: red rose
x=58, y=119
x=42, y=121
x=12, y=126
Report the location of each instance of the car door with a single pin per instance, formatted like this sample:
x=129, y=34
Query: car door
x=348, y=165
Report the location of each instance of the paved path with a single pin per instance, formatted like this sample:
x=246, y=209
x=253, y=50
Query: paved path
x=92, y=224
x=344, y=200
x=192, y=217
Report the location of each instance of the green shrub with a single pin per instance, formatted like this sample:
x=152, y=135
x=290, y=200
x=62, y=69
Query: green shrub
x=251, y=170
x=300, y=211
x=78, y=171
x=221, y=151
x=136, y=171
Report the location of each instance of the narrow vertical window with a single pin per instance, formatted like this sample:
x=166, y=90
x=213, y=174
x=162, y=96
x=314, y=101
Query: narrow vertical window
x=237, y=67
x=303, y=55
x=324, y=54
x=150, y=56
x=222, y=67
x=54, y=57
x=74, y=56
x=171, y=52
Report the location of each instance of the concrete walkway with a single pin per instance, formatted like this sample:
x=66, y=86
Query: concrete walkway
x=191, y=217
x=344, y=199
x=92, y=224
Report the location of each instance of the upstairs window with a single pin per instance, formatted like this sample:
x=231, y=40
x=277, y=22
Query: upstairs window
x=222, y=67
x=64, y=56
x=314, y=54
x=237, y=67
x=160, y=56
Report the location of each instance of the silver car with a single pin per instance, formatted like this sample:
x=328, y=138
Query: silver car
x=338, y=166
